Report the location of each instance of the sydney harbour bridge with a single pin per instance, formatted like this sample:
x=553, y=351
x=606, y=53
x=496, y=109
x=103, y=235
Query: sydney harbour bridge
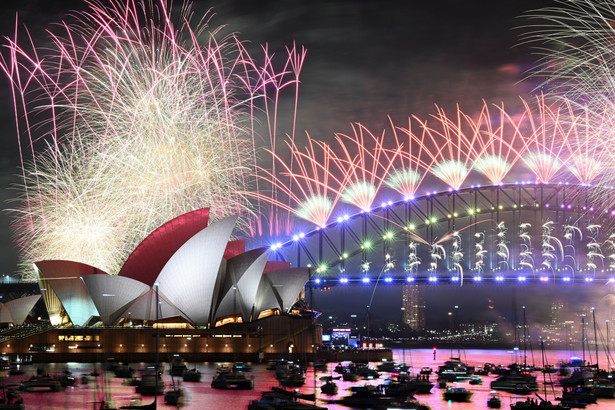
x=519, y=232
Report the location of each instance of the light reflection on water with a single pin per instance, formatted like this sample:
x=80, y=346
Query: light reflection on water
x=202, y=396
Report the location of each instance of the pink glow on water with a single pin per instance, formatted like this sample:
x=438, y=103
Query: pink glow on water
x=202, y=396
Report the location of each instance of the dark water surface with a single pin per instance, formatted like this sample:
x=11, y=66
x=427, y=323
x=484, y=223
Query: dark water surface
x=202, y=396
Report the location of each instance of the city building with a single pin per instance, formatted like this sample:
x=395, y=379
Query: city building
x=413, y=306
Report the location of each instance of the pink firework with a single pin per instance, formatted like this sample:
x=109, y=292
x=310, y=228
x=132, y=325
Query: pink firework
x=126, y=120
x=309, y=189
x=410, y=168
x=368, y=163
x=450, y=145
x=500, y=143
x=546, y=133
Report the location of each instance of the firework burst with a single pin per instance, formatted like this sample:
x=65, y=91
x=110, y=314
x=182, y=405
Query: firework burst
x=140, y=123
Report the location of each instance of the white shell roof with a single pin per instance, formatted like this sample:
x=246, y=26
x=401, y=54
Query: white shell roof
x=5, y=314
x=241, y=283
x=280, y=289
x=189, y=278
x=288, y=283
x=20, y=308
x=112, y=294
x=144, y=308
x=64, y=279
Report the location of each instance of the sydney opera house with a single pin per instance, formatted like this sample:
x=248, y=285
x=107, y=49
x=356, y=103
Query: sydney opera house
x=201, y=294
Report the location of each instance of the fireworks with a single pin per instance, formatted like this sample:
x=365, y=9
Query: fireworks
x=544, y=138
x=131, y=124
x=126, y=121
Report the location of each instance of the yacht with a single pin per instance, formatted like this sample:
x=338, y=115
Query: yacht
x=454, y=369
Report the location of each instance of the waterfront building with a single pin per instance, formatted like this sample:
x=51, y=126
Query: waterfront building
x=202, y=292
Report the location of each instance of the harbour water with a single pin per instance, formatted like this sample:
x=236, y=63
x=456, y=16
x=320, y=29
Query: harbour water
x=200, y=395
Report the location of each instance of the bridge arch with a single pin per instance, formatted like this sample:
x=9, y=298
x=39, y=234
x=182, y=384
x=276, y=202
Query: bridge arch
x=525, y=231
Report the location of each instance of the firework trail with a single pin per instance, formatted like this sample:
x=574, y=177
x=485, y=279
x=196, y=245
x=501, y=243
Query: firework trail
x=368, y=162
x=451, y=146
x=501, y=144
x=313, y=188
x=126, y=121
x=575, y=41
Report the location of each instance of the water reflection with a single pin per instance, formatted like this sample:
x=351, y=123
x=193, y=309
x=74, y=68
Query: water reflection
x=100, y=385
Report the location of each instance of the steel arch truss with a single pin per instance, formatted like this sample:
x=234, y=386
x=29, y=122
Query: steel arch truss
x=522, y=231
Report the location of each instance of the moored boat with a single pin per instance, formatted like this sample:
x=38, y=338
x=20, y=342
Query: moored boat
x=232, y=380
x=329, y=387
x=455, y=369
x=494, y=401
x=458, y=394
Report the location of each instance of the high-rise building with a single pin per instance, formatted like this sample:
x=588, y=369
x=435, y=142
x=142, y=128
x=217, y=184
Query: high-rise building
x=413, y=306
x=559, y=312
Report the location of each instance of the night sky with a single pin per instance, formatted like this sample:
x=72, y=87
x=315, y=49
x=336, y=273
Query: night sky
x=365, y=61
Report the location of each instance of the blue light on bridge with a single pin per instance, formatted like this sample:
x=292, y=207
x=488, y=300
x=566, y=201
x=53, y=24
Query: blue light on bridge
x=344, y=280
x=365, y=279
x=317, y=281
x=478, y=278
x=566, y=279
x=521, y=278
x=544, y=278
x=433, y=279
x=499, y=278
x=410, y=279
x=454, y=278
x=388, y=279
x=588, y=279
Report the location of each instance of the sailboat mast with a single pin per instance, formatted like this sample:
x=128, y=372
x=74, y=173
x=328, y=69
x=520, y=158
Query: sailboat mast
x=583, y=337
x=595, y=336
x=524, y=340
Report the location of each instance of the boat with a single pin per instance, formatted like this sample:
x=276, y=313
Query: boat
x=515, y=382
x=293, y=394
x=426, y=370
x=365, y=397
x=494, y=401
x=151, y=384
x=329, y=387
x=458, y=394
x=178, y=366
x=320, y=366
x=404, y=384
x=340, y=368
x=275, y=400
x=232, y=380
x=11, y=400
x=137, y=403
x=293, y=378
x=124, y=371
x=175, y=397
x=41, y=383
x=350, y=377
x=578, y=395
x=536, y=404
x=242, y=367
x=391, y=367
x=474, y=380
x=455, y=369
x=363, y=370
x=603, y=388
x=549, y=369
x=192, y=375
